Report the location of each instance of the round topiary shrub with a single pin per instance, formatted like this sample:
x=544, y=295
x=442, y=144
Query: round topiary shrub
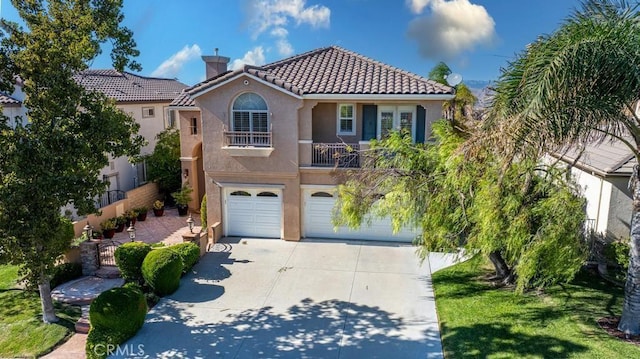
x=161, y=269
x=129, y=257
x=190, y=254
x=119, y=310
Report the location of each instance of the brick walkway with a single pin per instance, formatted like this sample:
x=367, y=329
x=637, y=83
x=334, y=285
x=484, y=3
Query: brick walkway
x=168, y=229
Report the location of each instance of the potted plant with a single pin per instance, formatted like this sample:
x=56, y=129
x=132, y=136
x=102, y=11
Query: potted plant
x=97, y=234
x=131, y=216
x=108, y=228
x=120, y=223
x=158, y=208
x=183, y=197
x=142, y=213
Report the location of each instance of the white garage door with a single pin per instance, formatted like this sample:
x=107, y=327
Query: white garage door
x=318, y=207
x=253, y=212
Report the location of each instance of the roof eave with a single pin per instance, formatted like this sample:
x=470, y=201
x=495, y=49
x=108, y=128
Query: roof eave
x=394, y=97
x=196, y=94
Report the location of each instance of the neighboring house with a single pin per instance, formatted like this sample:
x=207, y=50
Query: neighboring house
x=12, y=104
x=261, y=141
x=603, y=171
x=146, y=99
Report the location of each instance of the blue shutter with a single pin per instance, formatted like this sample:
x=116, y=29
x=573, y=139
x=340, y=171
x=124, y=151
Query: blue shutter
x=369, y=122
x=421, y=115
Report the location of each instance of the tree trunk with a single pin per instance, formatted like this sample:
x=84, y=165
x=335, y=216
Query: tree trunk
x=48, y=312
x=630, y=321
x=502, y=268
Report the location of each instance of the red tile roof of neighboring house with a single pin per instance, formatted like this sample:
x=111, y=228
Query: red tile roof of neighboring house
x=8, y=100
x=127, y=87
x=331, y=71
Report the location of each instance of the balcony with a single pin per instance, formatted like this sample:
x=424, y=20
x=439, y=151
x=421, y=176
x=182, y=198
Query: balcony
x=343, y=155
x=248, y=143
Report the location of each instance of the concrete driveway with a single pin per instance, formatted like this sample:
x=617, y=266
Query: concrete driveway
x=263, y=298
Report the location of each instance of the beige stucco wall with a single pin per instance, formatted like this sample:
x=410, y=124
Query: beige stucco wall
x=294, y=123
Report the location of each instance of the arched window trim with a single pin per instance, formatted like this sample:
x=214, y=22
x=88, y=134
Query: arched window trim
x=322, y=194
x=250, y=118
x=240, y=193
x=267, y=194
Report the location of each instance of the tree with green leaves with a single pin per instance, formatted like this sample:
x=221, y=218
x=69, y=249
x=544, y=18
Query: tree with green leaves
x=524, y=217
x=461, y=107
x=163, y=165
x=577, y=85
x=55, y=158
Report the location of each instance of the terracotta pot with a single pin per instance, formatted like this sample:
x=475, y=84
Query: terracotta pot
x=109, y=233
x=142, y=217
x=183, y=209
x=158, y=212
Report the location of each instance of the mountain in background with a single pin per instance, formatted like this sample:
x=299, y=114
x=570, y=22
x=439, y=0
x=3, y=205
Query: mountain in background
x=481, y=89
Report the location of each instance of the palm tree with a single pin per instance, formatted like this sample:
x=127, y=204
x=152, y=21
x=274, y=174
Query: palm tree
x=576, y=85
x=461, y=107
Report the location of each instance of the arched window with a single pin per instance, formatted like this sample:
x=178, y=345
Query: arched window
x=250, y=113
x=267, y=194
x=322, y=194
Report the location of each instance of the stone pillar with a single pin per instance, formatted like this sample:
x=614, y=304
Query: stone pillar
x=89, y=257
x=198, y=237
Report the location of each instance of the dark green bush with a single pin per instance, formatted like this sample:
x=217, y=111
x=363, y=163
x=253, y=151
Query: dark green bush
x=115, y=316
x=65, y=272
x=119, y=309
x=129, y=257
x=161, y=270
x=100, y=341
x=190, y=254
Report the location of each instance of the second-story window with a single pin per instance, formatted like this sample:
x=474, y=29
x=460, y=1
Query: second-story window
x=250, y=113
x=346, y=119
x=193, y=125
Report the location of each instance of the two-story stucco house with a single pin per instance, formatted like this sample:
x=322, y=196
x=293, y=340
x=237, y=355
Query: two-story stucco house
x=261, y=141
x=146, y=99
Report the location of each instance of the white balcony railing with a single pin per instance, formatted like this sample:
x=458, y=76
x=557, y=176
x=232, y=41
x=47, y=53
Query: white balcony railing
x=248, y=139
x=335, y=155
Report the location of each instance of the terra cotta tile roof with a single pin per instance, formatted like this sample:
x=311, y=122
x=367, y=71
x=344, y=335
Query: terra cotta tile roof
x=332, y=71
x=128, y=87
x=8, y=100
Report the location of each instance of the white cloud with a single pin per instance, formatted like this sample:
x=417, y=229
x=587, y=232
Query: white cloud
x=451, y=28
x=273, y=17
x=173, y=65
x=252, y=57
x=284, y=47
x=417, y=5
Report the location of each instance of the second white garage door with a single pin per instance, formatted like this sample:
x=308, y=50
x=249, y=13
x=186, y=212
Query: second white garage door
x=253, y=212
x=318, y=207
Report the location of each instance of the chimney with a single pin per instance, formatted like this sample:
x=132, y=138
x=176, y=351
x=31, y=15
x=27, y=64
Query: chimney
x=215, y=65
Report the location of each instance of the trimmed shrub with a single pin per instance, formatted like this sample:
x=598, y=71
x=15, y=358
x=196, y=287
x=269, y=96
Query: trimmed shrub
x=100, y=341
x=119, y=309
x=161, y=269
x=65, y=272
x=115, y=316
x=203, y=213
x=129, y=257
x=189, y=253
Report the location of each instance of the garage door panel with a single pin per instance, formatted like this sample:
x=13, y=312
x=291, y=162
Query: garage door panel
x=255, y=213
x=317, y=223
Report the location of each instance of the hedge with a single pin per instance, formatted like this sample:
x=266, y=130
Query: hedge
x=115, y=316
x=161, y=270
x=129, y=258
x=189, y=253
x=65, y=272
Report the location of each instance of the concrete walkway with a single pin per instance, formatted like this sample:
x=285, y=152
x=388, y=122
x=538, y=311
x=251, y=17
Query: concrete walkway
x=261, y=298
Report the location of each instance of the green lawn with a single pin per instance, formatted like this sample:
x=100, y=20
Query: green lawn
x=23, y=333
x=480, y=321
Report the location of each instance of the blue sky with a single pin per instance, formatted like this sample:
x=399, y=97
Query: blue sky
x=474, y=37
